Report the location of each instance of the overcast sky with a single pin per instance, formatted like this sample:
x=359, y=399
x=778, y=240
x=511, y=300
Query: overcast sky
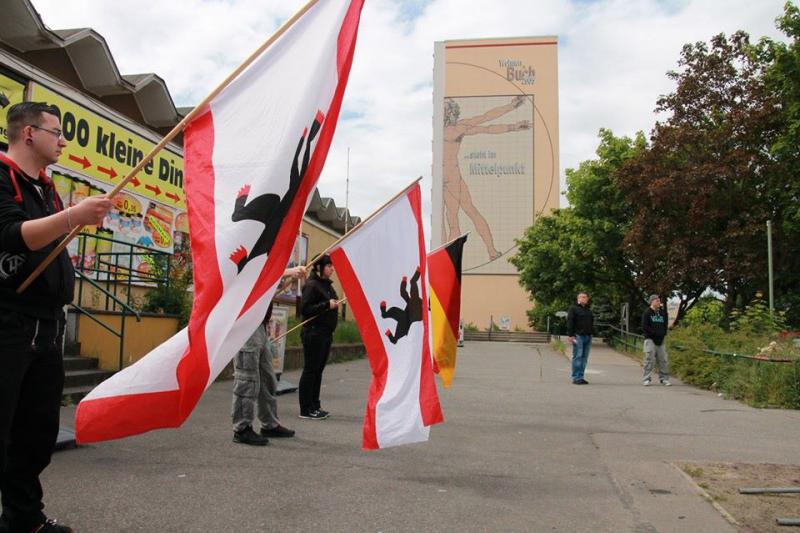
x=613, y=56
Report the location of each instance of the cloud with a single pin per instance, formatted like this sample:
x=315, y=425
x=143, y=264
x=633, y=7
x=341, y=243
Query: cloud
x=613, y=56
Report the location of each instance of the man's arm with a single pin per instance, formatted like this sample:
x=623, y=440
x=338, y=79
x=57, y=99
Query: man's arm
x=647, y=325
x=499, y=128
x=492, y=114
x=40, y=232
x=571, y=324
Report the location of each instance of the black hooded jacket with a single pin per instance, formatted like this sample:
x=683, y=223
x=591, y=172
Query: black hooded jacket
x=317, y=294
x=20, y=201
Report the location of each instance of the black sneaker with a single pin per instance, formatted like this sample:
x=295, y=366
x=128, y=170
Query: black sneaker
x=50, y=526
x=324, y=413
x=278, y=432
x=313, y=415
x=248, y=436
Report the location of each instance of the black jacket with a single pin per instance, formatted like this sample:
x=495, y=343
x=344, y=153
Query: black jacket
x=580, y=320
x=654, y=324
x=317, y=294
x=19, y=202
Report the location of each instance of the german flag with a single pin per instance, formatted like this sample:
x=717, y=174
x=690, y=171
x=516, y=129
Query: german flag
x=444, y=277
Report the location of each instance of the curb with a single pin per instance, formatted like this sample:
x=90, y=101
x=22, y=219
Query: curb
x=706, y=496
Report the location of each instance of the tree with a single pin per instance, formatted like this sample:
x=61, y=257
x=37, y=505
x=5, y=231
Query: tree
x=580, y=247
x=783, y=77
x=708, y=182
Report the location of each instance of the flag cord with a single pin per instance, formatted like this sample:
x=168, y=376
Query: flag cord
x=276, y=339
x=169, y=136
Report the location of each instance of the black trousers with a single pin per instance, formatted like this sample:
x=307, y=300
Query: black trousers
x=31, y=383
x=316, y=347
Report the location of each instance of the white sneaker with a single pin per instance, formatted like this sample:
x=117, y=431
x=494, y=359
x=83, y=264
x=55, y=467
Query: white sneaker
x=666, y=383
x=646, y=382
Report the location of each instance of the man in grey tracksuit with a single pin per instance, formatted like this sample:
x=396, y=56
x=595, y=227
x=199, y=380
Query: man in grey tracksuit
x=654, y=327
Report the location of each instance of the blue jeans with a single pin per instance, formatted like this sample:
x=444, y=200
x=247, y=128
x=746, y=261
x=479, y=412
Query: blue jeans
x=580, y=355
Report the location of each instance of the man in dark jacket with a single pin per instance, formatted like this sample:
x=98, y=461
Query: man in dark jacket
x=580, y=322
x=654, y=327
x=320, y=304
x=32, y=221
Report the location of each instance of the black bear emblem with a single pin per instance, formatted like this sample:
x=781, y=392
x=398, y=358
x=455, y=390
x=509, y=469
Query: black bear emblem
x=404, y=317
x=270, y=209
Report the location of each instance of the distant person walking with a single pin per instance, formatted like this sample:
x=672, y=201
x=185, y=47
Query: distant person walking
x=654, y=326
x=580, y=323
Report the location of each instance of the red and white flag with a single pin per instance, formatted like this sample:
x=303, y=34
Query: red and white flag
x=382, y=268
x=252, y=158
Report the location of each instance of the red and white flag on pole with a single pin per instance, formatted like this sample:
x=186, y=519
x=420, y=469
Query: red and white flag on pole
x=252, y=158
x=382, y=268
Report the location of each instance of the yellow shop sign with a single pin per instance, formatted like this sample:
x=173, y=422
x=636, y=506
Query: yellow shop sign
x=107, y=152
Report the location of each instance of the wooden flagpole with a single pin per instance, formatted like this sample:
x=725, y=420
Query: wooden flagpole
x=361, y=224
x=306, y=321
x=448, y=243
x=171, y=135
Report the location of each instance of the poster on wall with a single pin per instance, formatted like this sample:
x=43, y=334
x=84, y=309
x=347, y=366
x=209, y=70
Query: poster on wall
x=487, y=176
x=278, y=324
x=11, y=92
x=133, y=220
x=106, y=151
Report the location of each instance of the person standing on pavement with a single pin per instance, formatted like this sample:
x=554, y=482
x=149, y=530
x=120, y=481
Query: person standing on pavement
x=321, y=308
x=254, y=383
x=580, y=323
x=32, y=221
x=654, y=327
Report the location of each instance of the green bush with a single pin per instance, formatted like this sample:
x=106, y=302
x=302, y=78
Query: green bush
x=752, y=332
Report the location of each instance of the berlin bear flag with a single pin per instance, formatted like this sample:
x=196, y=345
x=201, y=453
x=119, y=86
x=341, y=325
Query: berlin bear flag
x=252, y=158
x=382, y=268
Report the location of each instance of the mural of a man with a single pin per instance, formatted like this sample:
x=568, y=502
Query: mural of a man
x=456, y=191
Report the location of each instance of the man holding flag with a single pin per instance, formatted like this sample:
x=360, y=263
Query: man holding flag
x=32, y=220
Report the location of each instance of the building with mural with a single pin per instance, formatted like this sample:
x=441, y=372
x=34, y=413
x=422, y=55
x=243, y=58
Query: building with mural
x=495, y=162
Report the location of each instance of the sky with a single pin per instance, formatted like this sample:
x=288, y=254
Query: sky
x=613, y=57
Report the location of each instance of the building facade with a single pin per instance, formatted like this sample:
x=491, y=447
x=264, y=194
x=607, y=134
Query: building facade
x=495, y=162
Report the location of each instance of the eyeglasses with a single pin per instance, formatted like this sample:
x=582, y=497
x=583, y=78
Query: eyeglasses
x=57, y=132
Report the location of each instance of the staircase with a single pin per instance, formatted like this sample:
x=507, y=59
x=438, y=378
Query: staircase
x=508, y=336
x=81, y=375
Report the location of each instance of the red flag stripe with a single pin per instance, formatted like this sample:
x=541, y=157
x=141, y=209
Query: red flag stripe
x=444, y=282
x=428, y=397
x=346, y=44
x=373, y=342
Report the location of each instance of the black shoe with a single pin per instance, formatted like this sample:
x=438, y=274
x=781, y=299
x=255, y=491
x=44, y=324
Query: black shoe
x=583, y=381
x=313, y=415
x=248, y=436
x=278, y=432
x=50, y=526
x=324, y=413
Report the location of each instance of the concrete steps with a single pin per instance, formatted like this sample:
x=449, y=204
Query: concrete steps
x=81, y=375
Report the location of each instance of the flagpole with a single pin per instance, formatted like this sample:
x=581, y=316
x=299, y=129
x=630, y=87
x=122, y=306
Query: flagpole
x=445, y=245
x=306, y=321
x=360, y=224
x=171, y=135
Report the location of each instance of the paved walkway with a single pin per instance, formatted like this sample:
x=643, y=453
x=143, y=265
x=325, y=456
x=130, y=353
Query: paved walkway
x=522, y=449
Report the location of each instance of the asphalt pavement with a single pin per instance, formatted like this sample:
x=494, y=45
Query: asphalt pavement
x=521, y=449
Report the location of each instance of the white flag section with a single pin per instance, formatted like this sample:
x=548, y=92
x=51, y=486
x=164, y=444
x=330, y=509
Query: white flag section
x=382, y=268
x=252, y=159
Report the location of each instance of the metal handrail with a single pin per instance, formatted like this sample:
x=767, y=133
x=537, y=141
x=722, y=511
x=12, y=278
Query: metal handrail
x=112, y=277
